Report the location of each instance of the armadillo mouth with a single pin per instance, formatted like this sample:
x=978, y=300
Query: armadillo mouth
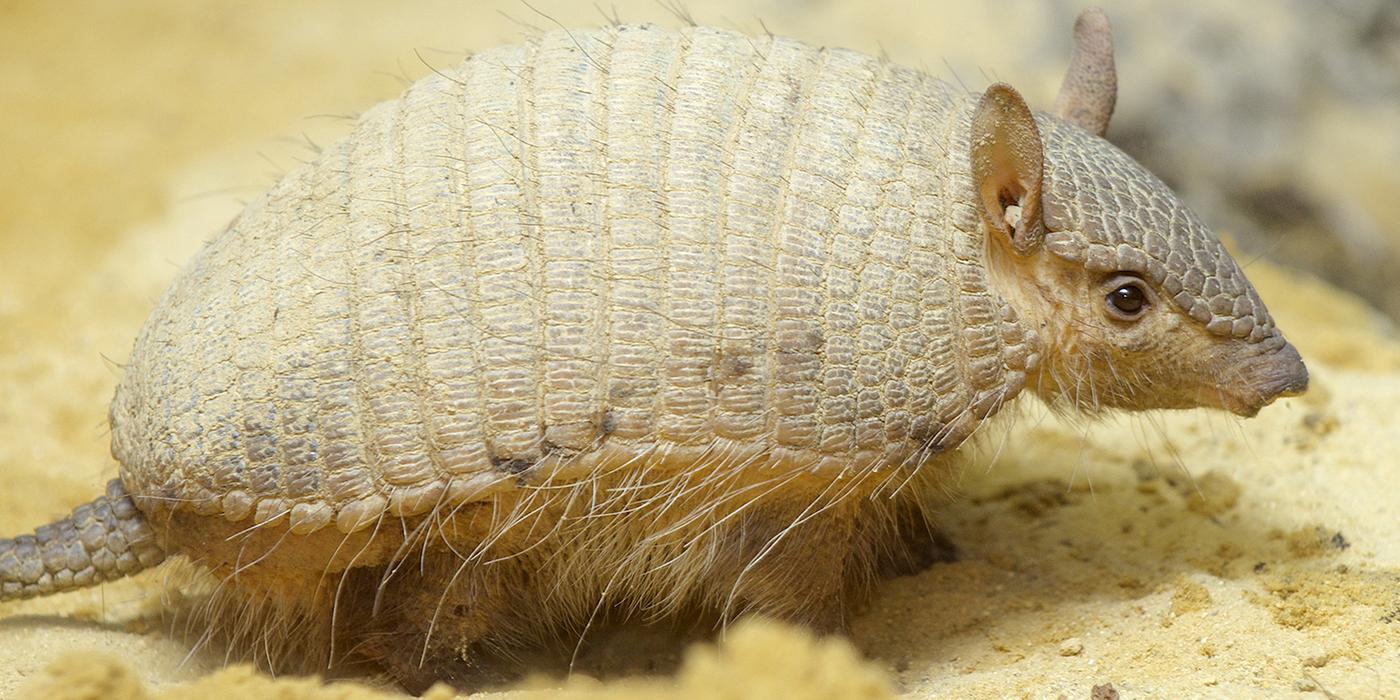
x=1264, y=379
x=1282, y=373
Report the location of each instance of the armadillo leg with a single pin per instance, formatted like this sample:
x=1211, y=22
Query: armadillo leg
x=103, y=540
x=792, y=565
x=432, y=617
x=416, y=669
x=910, y=544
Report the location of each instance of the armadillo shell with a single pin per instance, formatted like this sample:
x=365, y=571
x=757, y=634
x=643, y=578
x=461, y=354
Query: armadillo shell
x=629, y=246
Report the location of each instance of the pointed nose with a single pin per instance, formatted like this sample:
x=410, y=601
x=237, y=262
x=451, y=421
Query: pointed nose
x=1279, y=373
x=1284, y=374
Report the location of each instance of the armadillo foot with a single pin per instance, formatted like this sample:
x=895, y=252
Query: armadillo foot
x=918, y=546
x=416, y=672
x=430, y=625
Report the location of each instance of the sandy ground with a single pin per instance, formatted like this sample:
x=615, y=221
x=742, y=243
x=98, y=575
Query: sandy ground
x=1182, y=555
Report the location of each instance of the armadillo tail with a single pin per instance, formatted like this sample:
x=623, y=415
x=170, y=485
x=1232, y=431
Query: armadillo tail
x=101, y=541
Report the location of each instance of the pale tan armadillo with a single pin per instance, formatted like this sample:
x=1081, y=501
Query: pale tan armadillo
x=646, y=320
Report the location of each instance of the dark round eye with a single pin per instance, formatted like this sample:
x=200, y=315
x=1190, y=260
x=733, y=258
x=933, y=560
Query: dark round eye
x=1129, y=299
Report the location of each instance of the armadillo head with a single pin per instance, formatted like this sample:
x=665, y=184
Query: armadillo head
x=1137, y=303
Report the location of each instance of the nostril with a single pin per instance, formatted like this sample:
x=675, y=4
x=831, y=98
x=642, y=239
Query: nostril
x=1286, y=374
x=1298, y=386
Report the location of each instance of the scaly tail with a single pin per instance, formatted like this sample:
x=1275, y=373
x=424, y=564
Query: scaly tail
x=101, y=541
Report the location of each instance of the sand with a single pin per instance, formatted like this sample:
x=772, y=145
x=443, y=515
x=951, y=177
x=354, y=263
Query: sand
x=1170, y=555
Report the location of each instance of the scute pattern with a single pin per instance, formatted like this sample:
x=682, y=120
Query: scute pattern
x=1135, y=224
x=101, y=541
x=630, y=246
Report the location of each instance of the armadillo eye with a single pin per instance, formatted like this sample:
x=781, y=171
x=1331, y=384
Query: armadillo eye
x=1129, y=300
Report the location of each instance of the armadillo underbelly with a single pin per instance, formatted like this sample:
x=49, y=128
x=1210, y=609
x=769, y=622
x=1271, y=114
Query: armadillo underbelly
x=629, y=246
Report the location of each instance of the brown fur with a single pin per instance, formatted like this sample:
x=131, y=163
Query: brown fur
x=416, y=596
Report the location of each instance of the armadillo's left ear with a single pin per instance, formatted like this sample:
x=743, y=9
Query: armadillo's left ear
x=1007, y=165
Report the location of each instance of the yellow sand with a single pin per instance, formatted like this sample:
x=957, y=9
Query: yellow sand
x=1173, y=555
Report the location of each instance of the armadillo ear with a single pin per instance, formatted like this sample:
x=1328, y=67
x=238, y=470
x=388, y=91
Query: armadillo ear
x=1090, y=88
x=1007, y=164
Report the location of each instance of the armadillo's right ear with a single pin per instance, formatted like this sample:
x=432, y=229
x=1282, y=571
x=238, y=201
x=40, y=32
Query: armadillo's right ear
x=1007, y=165
x=1090, y=88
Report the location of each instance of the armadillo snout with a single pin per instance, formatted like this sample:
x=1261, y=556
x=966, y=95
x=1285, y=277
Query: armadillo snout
x=1284, y=374
x=1263, y=379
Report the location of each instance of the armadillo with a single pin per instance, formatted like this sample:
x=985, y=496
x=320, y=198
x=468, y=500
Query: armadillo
x=643, y=320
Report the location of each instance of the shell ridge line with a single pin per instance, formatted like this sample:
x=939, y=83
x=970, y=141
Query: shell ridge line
x=963, y=298
x=752, y=69
x=703, y=103
x=766, y=141
x=813, y=68
x=601, y=116
x=705, y=254
x=929, y=240
x=570, y=181
x=323, y=287
x=863, y=260
x=878, y=81
x=946, y=437
x=825, y=156
x=263, y=401
x=337, y=316
x=537, y=286
x=662, y=356
x=391, y=335
x=285, y=336
x=909, y=83
x=303, y=470
x=470, y=250
x=356, y=514
x=643, y=58
x=499, y=238
x=412, y=297
x=434, y=204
